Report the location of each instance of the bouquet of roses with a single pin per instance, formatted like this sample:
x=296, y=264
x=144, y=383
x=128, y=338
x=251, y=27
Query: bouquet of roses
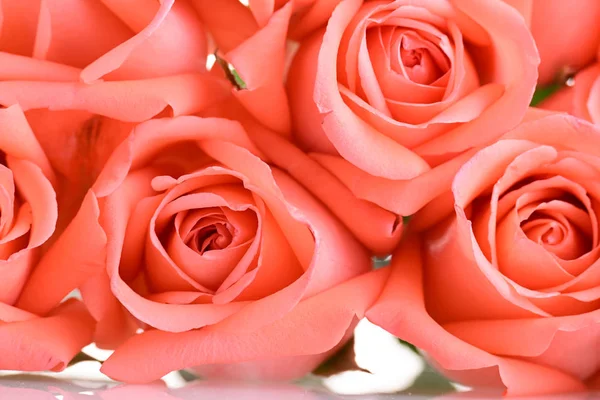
x=203, y=184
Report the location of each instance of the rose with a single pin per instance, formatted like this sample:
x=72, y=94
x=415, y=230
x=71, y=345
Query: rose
x=28, y=214
x=567, y=34
x=394, y=88
x=220, y=258
x=85, y=72
x=262, y=106
x=582, y=99
x=504, y=292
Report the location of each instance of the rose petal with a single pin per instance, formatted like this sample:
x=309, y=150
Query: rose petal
x=35, y=189
x=77, y=255
x=172, y=43
x=7, y=200
x=77, y=144
x=460, y=360
x=46, y=343
x=15, y=270
x=13, y=314
x=18, y=24
x=402, y=197
x=18, y=140
x=16, y=67
x=228, y=21
x=448, y=293
x=314, y=326
x=312, y=15
x=542, y=341
x=524, y=261
x=76, y=32
x=306, y=118
x=554, y=39
x=264, y=95
x=132, y=101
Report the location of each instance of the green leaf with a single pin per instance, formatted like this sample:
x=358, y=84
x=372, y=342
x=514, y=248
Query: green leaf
x=230, y=72
x=542, y=93
x=410, y=346
x=238, y=80
x=81, y=357
x=343, y=360
x=431, y=382
x=188, y=376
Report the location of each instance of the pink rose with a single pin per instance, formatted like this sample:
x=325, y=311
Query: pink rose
x=392, y=89
x=582, y=99
x=85, y=72
x=226, y=263
x=567, y=33
x=504, y=292
x=31, y=341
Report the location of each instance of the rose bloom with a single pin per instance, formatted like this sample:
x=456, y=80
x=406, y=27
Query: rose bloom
x=222, y=260
x=504, y=292
x=85, y=72
x=582, y=99
x=28, y=213
x=566, y=33
x=393, y=88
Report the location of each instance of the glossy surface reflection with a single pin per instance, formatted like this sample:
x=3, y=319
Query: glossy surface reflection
x=32, y=387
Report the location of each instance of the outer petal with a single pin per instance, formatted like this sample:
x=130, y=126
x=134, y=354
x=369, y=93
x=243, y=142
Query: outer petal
x=401, y=310
x=228, y=21
x=558, y=130
x=314, y=326
x=172, y=43
x=404, y=197
x=76, y=32
x=16, y=67
x=543, y=341
x=578, y=100
x=379, y=230
x=47, y=343
x=555, y=39
x=125, y=100
x=18, y=26
x=260, y=61
x=18, y=140
x=277, y=369
x=77, y=255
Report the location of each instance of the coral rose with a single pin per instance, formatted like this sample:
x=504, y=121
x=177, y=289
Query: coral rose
x=224, y=261
x=85, y=72
x=567, y=34
x=505, y=292
x=582, y=99
x=28, y=213
x=393, y=88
